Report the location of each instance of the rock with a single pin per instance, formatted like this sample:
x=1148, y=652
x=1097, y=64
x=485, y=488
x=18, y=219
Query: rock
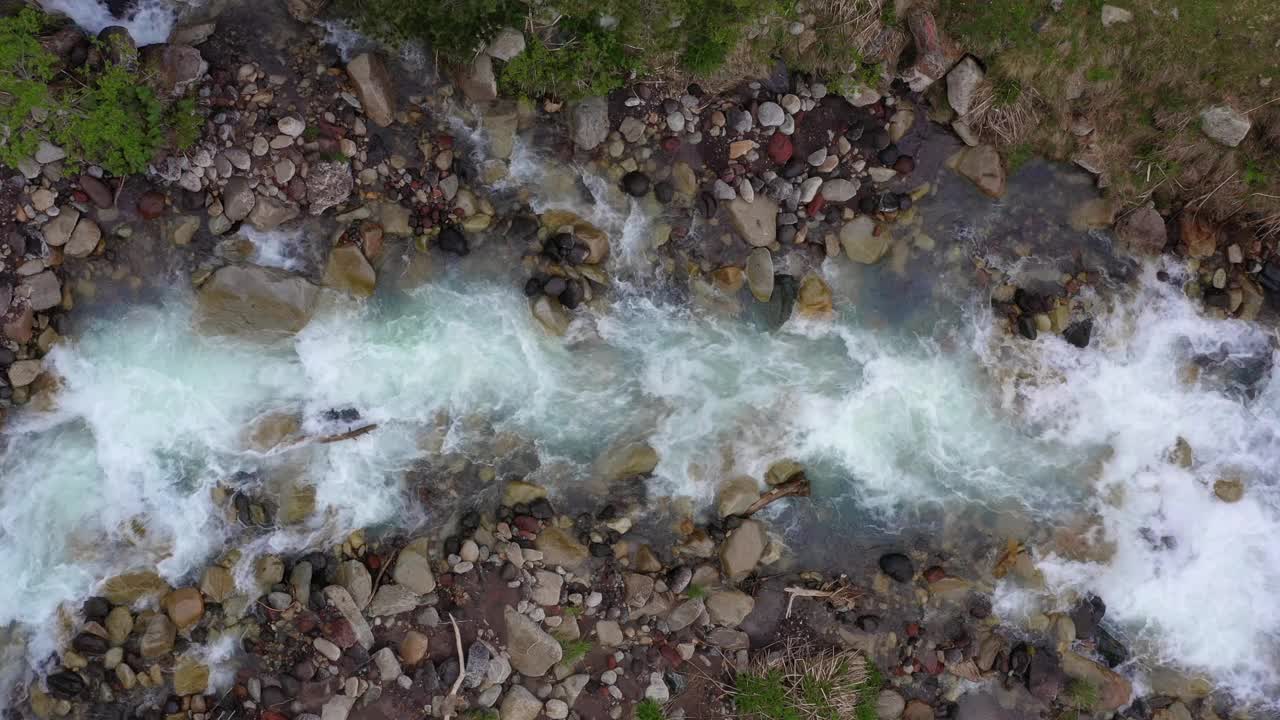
x=478, y=83
x=341, y=600
x=780, y=149
x=349, y=272
x=291, y=126
x=42, y=291
x=128, y=588
x=743, y=548
x=1173, y=683
x=374, y=88
x=269, y=213
x=175, y=68
x=305, y=10
x=190, y=678
x=248, y=299
x=237, y=199
x=501, y=126
x=119, y=624
x=635, y=184
x=84, y=239
x=1114, y=691
x=1225, y=125
x=685, y=614
x=414, y=645
x=414, y=572
x=184, y=606
x=327, y=648
x=550, y=314
x=507, y=44
x=770, y=114
x=1229, y=489
x=897, y=566
x=1044, y=679
x=621, y=462
x=889, y=705
x=546, y=588
x=388, y=665
x=962, y=82
x=559, y=548
x=760, y=274
x=727, y=639
x=58, y=230
x=632, y=129
x=183, y=230
x=590, y=122
x=918, y=710
x=756, y=222
x=729, y=607
x=931, y=54
x=157, y=637
x=532, y=651
x=814, y=299
x=609, y=633
x=24, y=372
x=1112, y=15
x=861, y=242
x=982, y=166
x=839, y=190
x=337, y=707
x=328, y=184
x=47, y=152
x=737, y=494
x=354, y=576
x=639, y=590
x=453, y=241
x=1143, y=231
x=519, y=704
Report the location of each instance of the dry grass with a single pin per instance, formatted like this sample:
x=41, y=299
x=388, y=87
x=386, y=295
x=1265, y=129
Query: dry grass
x=798, y=679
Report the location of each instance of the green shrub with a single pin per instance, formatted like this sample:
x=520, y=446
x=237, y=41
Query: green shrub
x=573, y=651
x=453, y=29
x=763, y=696
x=1082, y=695
x=869, y=693
x=1100, y=74
x=589, y=61
x=109, y=118
x=696, y=591
x=649, y=709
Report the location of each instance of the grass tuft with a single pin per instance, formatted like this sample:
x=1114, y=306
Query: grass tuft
x=800, y=682
x=573, y=651
x=649, y=709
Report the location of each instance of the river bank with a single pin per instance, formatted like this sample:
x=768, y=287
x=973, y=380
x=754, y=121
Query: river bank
x=379, y=349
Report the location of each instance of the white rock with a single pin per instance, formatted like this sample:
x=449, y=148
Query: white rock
x=1112, y=15
x=1225, y=125
x=291, y=126
x=770, y=114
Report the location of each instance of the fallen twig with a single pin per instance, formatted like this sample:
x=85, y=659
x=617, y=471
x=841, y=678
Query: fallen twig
x=798, y=487
x=348, y=435
x=840, y=593
x=452, y=697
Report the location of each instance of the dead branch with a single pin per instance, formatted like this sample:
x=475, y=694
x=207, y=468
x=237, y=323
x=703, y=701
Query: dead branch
x=452, y=697
x=798, y=487
x=348, y=435
x=837, y=593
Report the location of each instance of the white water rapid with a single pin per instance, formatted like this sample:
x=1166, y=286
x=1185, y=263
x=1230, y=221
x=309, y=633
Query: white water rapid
x=148, y=21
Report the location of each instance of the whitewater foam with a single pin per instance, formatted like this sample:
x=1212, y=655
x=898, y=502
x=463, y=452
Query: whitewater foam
x=149, y=21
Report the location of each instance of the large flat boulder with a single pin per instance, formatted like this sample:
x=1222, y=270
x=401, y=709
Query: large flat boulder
x=250, y=300
x=375, y=88
x=533, y=652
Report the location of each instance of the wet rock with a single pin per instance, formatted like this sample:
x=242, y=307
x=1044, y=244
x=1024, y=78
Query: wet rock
x=626, y=461
x=89, y=644
x=190, y=678
x=452, y=241
x=1114, y=691
x=737, y=494
x=84, y=239
x=354, y=576
x=918, y=710
x=1225, y=125
x=897, y=566
x=1087, y=616
x=328, y=184
x=24, y=372
x=962, y=82
x=1143, y=231
x=1044, y=679
x=861, y=242
x=478, y=82
x=174, y=68
x=550, y=314
x=42, y=290
x=374, y=87
x=760, y=274
x=341, y=600
x=185, y=607
x=128, y=588
x=982, y=166
x=1078, y=333
x=157, y=637
x=248, y=299
x=635, y=183
x=237, y=199
x=1229, y=490
x=756, y=222
x=151, y=205
x=66, y=685
x=559, y=548
x=590, y=121
x=814, y=299
x=743, y=548
x=119, y=624
x=533, y=652
x=349, y=271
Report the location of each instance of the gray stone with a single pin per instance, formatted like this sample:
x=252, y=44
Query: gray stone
x=248, y=299
x=770, y=114
x=58, y=230
x=175, y=68
x=348, y=271
x=270, y=213
x=507, y=44
x=737, y=494
x=962, y=83
x=477, y=669
x=354, y=576
x=729, y=639
x=501, y=127
x=983, y=167
x=756, y=222
x=328, y=184
x=860, y=241
x=47, y=152
x=889, y=705
x=609, y=633
x=341, y=600
x=388, y=665
x=546, y=589
x=533, y=652
x=1112, y=15
x=478, y=83
x=84, y=239
x=337, y=707
x=743, y=548
x=42, y=290
x=237, y=199
x=839, y=190
x=631, y=128
x=590, y=122
x=291, y=126
x=685, y=614
x=809, y=189
x=374, y=87
x=729, y=607
x=392, y=600
x=1225, y=125
x=760, y=274
x=1143, y=231
x=238, y=157
x=414, y=572
x=519, y=704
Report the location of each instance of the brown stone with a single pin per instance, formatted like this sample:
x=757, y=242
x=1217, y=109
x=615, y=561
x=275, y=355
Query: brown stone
x=413, y=647
x=218, y=583
x=130, y=587
x=184, y=606
x=158, y=637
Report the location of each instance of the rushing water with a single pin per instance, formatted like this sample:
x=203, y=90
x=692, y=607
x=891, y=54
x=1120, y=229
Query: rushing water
x=913, y=396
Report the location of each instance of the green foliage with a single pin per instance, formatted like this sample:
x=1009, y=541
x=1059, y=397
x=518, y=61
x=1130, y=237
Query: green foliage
x=1255, y=176
x=573, y=611
x=992, y=24
x=763, y=696
x=869, y=692
x=1082, y=695
x=109, y=118
x=1100, y=74
x=1019, y=155
x=590, y=62
x=453, y=29
x=573, y=651
x=1006, y=91
x=696, y=591
x=649, y=709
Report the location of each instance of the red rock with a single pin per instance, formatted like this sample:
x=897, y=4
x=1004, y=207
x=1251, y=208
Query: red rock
x=339, y=632
x=934, y=574
x=374, y=561
x=528, y=523
x=671, y=655
x=913, y=630
x=80, y=196
x=815, y=205
x=780, y=148
x=671, y=144
x=272, y=715
x=447, y=580
x=151, y=205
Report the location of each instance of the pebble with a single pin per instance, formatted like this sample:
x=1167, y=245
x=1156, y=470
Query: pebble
x=675, y=121
x=817, y=157
x=291, y=126
x=771, y=114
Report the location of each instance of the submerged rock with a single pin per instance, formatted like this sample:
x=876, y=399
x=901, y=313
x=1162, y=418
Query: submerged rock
x=861, y=242
x=983, y=167
x=760, y=274
x=249, y=299
x=897, y=566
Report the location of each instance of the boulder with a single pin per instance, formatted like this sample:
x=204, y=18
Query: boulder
x=756, y=222
x=414, y=572
x=743, y=548
x=128, y=588
x=477, y=81
x=737, y=494
x=760, y=274
x=84, y=240
x=501, y=128
x=550, y=314
x=982, y=166
x=814, y=299
x=185, y=607
x=374, y=87
x=962, y=82
x=217, y=583
x=157, y=637
x=237, y=199
x=626, y=461
x=58, y=230
x=42, y=290
x=349, y=271
x=248, y=299
x=1225, y=125
x=729, y=607
x=506, y=45
x=174, y=68
x=1114, y=691
x=341, y=600
x=533, y=652
x=519, y=704
x=590, y=122
x=897, y=566
x=1143, y=231
x=861, y=241
x=24, y=372
x=329, y=184
x=560, y=548
x=190, y=678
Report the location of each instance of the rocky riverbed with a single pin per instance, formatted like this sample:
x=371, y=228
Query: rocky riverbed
x=343, y=519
